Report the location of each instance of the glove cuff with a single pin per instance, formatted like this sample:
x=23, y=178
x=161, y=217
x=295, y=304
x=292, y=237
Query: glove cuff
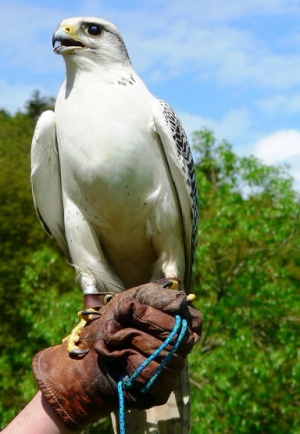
x=70, y=386
x=42, y=366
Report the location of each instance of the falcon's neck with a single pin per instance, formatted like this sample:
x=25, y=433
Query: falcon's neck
x=86, y=71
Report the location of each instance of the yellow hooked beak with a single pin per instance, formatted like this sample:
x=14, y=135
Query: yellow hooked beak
x=65, y=40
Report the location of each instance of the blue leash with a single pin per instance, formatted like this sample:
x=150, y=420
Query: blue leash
x=180, y=328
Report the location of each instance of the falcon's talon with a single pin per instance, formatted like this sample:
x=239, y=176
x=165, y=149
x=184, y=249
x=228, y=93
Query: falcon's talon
x=175, y=285
x=86, y=312
x=86, y=315
x=172, y=284
x=191, y=297
x=78, y=352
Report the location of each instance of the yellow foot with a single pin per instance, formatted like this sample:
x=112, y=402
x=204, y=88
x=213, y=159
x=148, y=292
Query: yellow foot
x=170, y=283
x=174, y=283
x=73, y=338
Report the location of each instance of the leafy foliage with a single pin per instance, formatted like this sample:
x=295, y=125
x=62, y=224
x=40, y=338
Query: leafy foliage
x=245, y=373
x=36, y=284
x=38, y=104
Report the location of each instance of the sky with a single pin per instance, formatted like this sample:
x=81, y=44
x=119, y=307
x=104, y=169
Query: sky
x=232, y=66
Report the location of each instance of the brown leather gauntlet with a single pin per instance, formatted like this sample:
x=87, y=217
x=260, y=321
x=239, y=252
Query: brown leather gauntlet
x=128, y=330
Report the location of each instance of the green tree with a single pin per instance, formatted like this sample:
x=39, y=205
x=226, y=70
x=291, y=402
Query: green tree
x=245, y=374
x=38, y=104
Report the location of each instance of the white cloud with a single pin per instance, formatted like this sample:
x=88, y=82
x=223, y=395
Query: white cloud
x=282, y=147
x=279, y=146
x=171, y=46
x=273, y=103
x=280, y=103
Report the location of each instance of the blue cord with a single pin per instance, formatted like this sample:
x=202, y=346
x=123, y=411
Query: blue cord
x=166, y=360
x=128, y=382
x=121, y=407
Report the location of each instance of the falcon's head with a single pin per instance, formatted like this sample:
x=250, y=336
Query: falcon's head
x=92, y=38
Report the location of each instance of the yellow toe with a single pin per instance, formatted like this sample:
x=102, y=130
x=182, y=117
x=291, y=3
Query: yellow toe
x=74, y=336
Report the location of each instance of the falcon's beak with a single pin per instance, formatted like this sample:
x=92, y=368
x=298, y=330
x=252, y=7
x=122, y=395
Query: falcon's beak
x=64, y=40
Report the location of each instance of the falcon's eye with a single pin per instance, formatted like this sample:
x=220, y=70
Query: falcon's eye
x=94, y=29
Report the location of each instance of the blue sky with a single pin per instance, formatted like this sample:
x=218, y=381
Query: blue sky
x=233, y=66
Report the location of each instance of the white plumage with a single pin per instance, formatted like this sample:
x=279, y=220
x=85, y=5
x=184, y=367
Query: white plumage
x=112, y=172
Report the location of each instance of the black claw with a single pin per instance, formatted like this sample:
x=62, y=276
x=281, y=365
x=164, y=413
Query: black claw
x=88, y=312
x=78, y=352
x=168, y=284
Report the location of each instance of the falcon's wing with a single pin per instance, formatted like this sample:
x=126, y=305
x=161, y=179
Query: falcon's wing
x=45, y=179
x=180, y=160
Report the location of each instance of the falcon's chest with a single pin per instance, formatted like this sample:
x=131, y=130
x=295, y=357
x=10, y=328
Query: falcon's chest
x=108, y=154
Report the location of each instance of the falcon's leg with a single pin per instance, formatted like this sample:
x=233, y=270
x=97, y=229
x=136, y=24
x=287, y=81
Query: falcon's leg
x=93, y=271
x=170, y=252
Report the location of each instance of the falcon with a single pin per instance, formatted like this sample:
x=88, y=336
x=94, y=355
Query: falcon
x=113, y=181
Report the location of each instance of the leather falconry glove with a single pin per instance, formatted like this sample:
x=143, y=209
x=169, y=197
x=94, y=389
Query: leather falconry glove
x=115, y=342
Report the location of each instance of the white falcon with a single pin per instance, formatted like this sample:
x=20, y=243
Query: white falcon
x=113, y=178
